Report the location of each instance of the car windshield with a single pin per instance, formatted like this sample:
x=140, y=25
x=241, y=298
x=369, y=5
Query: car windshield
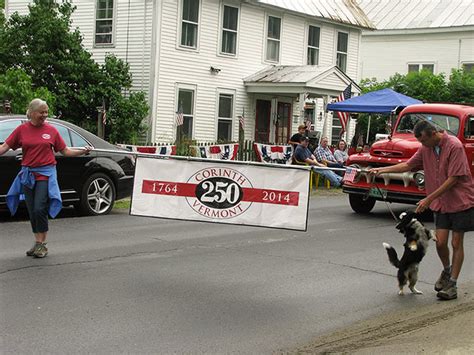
x=443, y=122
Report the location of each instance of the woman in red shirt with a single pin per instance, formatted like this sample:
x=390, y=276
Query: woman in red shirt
x=37, y=179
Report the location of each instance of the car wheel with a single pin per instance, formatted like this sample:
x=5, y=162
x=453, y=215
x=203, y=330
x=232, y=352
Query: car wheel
x=360, y=203
x=98, y=195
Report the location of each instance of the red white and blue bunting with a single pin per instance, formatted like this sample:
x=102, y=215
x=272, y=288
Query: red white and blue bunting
x=276, y=154
x=164, y=150
x=219, y=151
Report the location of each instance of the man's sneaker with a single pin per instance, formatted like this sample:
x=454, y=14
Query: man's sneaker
x=450, y=292
x=31, y=251
x=41, y=251
x=442, y=281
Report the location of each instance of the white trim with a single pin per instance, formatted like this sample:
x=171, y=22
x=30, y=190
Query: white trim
x=411, y=31
x=155, y=61
x=180, y=28
x=306, y=45
x=221, y=29
x=114, y=22
x=420, y=64
x=231, y=92
x=185, y=87
x=265, y=38
x=336, y=42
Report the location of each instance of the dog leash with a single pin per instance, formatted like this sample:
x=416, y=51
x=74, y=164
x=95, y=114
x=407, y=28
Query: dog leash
x=384, y=200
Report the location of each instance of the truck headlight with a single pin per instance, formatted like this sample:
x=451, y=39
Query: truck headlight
x=419, y=178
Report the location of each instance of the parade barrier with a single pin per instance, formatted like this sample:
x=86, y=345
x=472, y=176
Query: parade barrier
x=216, y=151
x=230, y=192
x=276, y=154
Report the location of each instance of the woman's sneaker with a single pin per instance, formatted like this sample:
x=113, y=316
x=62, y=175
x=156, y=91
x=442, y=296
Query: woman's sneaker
x=31, y=251
x=41, y=251
x=442, y=281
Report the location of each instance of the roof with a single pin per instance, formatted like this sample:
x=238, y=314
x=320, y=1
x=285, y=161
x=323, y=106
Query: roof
x=328, y=80
x=342, y=11
x=420, y=14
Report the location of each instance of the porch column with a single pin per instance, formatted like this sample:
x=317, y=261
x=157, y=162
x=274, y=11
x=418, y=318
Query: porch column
x=301, y=108
x=273, y=119
x=326, y=99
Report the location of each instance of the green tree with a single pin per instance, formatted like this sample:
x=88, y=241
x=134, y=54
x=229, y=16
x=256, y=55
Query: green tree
x=461, y=86
x=424, y=86
x=42, y=45
x=125, y=118
x=16, y=87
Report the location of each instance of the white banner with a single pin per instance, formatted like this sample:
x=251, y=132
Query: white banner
x=220, y=192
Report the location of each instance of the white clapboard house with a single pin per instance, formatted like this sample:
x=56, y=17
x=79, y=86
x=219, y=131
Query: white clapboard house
x=276, y=63
x=436, y=35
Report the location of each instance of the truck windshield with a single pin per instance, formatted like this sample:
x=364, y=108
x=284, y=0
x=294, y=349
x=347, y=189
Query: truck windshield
x=448, y=123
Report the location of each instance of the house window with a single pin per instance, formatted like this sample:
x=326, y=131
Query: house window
x=313, y=45
x=224, y=120
x=336, y=129
x=186, y=105
x=468, y=67
x=104, y=22
x=416, y=67
x=341, y=54
x=229, y=30
x=273, y=39
x=190, y=23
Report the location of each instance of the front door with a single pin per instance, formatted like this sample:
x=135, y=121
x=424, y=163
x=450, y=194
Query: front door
x=262, y=121
x=282, y=129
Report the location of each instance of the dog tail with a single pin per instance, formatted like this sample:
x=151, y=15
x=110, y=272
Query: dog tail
x=392, y=255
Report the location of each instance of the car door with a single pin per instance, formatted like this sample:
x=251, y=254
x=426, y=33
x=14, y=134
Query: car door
x=10, y=162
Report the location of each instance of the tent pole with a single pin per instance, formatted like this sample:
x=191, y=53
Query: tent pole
x=368, y=131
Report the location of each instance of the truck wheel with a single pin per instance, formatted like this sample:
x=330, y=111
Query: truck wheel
x=98, y=195
x=360, y=204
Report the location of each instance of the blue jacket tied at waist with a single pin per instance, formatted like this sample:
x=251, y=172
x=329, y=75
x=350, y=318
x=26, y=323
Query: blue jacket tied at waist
x=26, y=178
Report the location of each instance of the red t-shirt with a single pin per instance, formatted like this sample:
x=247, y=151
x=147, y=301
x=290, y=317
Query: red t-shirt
x=37, y=144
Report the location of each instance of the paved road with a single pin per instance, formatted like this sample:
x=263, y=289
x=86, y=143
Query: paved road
x=122, y=284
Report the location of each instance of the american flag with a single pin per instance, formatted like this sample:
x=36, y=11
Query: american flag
x=350, y=175
x=308, y=125
x=242, y=119
x=179, y=116
x=344, y=116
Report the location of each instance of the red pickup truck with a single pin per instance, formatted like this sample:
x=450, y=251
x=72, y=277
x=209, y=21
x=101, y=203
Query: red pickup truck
x=407, y=187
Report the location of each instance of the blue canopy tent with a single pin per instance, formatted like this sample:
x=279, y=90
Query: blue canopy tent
x=385, y=101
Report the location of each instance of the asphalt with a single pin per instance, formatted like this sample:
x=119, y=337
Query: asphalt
x=444, y=327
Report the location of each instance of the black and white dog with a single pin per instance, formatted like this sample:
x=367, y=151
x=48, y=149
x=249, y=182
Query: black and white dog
x=416, y=244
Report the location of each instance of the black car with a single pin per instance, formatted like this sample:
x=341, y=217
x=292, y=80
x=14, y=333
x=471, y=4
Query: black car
x=91, y=183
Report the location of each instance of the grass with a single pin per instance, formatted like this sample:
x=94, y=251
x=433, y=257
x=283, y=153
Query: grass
x=123, y=204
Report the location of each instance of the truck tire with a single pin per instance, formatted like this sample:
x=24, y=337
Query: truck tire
x=361, y=204
x=97, y=196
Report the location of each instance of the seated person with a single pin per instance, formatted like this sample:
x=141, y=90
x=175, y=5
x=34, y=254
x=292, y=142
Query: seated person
x=303, y=155
x=324, y=155
x=340, y=154
x=296, y=138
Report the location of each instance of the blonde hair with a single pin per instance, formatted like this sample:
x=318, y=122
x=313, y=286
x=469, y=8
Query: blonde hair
x=34, y=105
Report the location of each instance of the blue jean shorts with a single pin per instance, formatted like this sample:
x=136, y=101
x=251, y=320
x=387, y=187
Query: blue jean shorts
x=462, y=221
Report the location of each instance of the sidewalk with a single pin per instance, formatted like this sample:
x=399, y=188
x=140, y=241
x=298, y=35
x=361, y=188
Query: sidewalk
x=445, y=327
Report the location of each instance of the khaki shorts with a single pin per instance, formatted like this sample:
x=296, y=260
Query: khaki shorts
x=462, y=221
